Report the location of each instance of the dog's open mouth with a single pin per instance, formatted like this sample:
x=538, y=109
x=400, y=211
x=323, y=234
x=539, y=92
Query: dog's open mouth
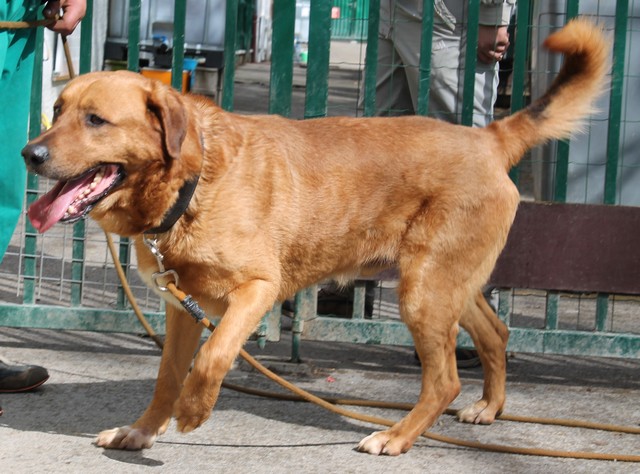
x=71, y=200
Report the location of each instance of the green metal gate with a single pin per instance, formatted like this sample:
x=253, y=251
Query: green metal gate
x=349, y=19
x=65, y=279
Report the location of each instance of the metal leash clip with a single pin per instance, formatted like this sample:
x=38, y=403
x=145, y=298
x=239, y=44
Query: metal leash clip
x=157, y=275
x=152, y=245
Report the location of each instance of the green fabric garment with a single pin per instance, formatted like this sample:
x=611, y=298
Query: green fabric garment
x=16, y=64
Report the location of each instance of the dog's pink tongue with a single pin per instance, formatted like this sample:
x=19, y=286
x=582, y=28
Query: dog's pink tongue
x=51, y=207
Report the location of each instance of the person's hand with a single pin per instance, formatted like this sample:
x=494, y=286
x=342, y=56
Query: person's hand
x=493, y=42
x=72, y=12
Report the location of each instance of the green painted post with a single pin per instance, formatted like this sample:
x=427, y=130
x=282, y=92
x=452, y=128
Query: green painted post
x=562, y=151
x=520, y=61
x=551, y=310
x=613, y=135
x=123, y=257
x=305, y=308
x=230, y=35
x=426, y=42
x=177, y=60
x=470, y=62
x=318, y=62
x=281, y=81
x=133, y=52
x=77, y=262
x=504, y=305
x=615, y=101
x=86, y=35
x=520, y=55
x=79, y=229
x=359, y=296
x=371, y=59
x=560, y=191
x=35, y=110
x=133, y=64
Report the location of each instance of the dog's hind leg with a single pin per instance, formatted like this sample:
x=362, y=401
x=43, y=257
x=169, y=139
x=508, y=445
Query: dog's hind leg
x=446, y=255
x=430, y=306
x=490, y=336
x=183, y=336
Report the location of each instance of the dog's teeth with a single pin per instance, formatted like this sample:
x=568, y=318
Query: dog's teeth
x=71, y=210
x=93, y=185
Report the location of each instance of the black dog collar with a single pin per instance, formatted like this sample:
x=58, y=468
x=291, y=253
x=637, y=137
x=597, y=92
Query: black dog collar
x=179, y=208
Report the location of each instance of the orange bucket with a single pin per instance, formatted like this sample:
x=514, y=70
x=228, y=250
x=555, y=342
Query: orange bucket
x=164, y=75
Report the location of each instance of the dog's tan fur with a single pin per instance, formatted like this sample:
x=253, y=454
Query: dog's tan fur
x=282, y=204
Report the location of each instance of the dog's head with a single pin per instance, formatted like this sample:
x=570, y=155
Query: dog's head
x=121, y=146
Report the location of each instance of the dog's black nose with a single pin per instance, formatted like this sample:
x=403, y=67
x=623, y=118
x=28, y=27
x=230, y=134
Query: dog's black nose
x=36, y=154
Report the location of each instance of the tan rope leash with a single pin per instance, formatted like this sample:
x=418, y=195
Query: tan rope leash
x=21, y=25
x=331, y=403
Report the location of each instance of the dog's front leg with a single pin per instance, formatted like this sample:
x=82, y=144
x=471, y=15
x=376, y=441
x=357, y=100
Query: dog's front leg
x=183, y=335
x=246, y=306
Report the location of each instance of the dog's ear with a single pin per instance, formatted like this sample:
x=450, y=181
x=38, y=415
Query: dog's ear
x=165, y=104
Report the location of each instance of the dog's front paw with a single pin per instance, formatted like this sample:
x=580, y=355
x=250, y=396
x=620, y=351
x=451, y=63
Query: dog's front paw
x=190, y=413
x=125, y=437
x=383, y=442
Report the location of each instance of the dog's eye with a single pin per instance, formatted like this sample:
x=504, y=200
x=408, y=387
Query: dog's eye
x=56, y=111
x=95, y=120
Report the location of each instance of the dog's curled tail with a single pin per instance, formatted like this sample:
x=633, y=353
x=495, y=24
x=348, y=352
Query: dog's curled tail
x=569, y=100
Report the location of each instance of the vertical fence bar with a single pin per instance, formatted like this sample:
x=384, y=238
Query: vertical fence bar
x=359, y=297
x=35, y=111
x=133, y=64
x=133, y=52
x=281, y=81
x=615, y=101
x=269, y=327
x=306, y=307
x=371, y=59
x=317, y=92
x=177, y=59
x=560, y=191
x=520, y=61
x=79, y=229
x=230, y=36
x=613, y=134
x=520, y=55
x=562, y=151
x=426, y=41
x=470, y=61
x=77, y=262
x=86, y=36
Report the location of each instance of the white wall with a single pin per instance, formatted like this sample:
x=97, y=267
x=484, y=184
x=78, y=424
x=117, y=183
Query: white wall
x=52, y=84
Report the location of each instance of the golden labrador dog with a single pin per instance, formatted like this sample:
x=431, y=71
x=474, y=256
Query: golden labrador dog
x=250, y=209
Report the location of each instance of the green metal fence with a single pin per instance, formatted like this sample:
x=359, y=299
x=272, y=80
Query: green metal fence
x=349, y=19
x=66, y=280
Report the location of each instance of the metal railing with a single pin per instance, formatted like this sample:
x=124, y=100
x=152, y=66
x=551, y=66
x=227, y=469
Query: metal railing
x=65, y=280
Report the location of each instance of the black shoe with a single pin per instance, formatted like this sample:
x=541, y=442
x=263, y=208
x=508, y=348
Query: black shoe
x=21, y=378
x=339, y=302
x=467, y=358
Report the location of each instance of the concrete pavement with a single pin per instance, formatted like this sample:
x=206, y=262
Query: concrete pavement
x=100, y=381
